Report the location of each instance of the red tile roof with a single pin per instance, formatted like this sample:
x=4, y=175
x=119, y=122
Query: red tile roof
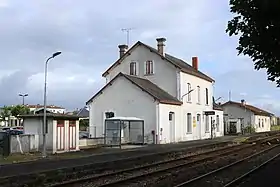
x=254, y=109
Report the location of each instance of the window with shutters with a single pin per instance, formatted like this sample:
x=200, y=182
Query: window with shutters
x=149, y=67
x=132, y=68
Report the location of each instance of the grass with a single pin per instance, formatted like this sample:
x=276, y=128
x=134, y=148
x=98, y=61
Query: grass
x=275, y=128
x=16, y=158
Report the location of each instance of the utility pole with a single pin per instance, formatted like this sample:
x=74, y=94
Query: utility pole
x=127, y=30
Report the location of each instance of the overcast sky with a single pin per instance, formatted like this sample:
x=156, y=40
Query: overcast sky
x=88, y=33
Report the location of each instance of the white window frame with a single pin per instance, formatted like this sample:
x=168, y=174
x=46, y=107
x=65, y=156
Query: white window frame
x=189, y=123
x=151, y=69
x=189, y=96
x=206, y=96
x=198, y=94
x=135, y=68
x=218, y=123
x=207, y=120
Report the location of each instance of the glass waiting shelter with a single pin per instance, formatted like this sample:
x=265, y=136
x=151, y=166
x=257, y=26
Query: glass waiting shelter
x=124, y=131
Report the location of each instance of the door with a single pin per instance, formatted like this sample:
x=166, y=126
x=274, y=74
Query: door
x=72, y=137
x=60, y=135
x=171, y=127
x=197, y=127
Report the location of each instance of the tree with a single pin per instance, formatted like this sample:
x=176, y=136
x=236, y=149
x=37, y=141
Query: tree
x=5, y=113
x=84, y=124
x=19, y=110
x=257, y=22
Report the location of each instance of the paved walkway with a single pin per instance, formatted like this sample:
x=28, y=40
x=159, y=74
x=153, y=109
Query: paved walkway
x=108, y=154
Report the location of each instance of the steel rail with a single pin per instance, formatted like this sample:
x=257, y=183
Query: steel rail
x=248, y=174
x=215, y=153
x=225, y=167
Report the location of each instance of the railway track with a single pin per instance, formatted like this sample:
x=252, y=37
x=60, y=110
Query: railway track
x=225, y=176
x=128, y=176
x=247, y=175
x=79, y=171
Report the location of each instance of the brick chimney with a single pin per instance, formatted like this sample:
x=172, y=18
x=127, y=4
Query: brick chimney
x=123, y=48
x=160, y=45
x=195, y=62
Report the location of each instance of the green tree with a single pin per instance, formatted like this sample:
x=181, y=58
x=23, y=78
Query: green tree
x=257, y=23
x=83, y=124
x=19, y=110
x=5, y=113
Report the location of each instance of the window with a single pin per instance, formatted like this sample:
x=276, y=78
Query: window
x=206, y=95
x=189, y=92
x=149, y=67
x=170, y=116
x=218, y=123
x=207, y=123
x=259, y=122
x=262, y=123
x=189, y=123
x=109, y=114
x=198, y=118
x=132, y=68
x=198, y=94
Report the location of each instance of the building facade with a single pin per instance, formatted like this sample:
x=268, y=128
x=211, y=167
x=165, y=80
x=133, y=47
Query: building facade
x=248, y=115
x=171, y=96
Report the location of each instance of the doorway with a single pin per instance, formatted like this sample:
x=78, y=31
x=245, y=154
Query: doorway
x=172, y=127
x=198, y=127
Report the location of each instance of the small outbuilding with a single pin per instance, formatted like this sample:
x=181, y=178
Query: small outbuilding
x=62, y=131
x=124, y=131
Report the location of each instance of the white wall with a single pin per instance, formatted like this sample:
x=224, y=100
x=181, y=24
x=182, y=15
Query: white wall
x=34, y=126
x=193, y=106
x=219, y=131
x=163, y=123
x=164, y=73
x=264, y=123
x=125, y=100
x=234, y=111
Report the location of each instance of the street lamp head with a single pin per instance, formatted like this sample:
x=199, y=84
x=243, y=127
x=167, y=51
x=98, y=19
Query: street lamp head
x=56, y=54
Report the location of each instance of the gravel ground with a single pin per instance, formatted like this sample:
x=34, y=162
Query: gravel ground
x=158, y=166
x=223, y=177
x=112, y=178
x=266, y=176
x=187, y=173
x=97, y=169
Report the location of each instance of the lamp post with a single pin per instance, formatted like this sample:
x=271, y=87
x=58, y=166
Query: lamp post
x=23, y=96
x=186, y=94
x=45, y=102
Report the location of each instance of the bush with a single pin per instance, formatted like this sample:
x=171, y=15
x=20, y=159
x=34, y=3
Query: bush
x=249, y=129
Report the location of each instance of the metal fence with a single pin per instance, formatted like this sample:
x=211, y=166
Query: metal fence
x=121, y=132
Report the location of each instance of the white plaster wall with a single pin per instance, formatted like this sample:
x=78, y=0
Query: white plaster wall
x=34, y=126
x=163, y=113
x=266, y=121
x=193, y=106
x=125, y=100
x=221, y=123
x=164, y=72
x=234, y=111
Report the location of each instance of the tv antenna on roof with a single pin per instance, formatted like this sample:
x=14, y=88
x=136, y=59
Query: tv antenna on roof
x=127, y=30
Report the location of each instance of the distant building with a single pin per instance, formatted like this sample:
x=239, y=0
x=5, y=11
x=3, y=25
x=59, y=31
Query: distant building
x=241, y=115
x=51, y=108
